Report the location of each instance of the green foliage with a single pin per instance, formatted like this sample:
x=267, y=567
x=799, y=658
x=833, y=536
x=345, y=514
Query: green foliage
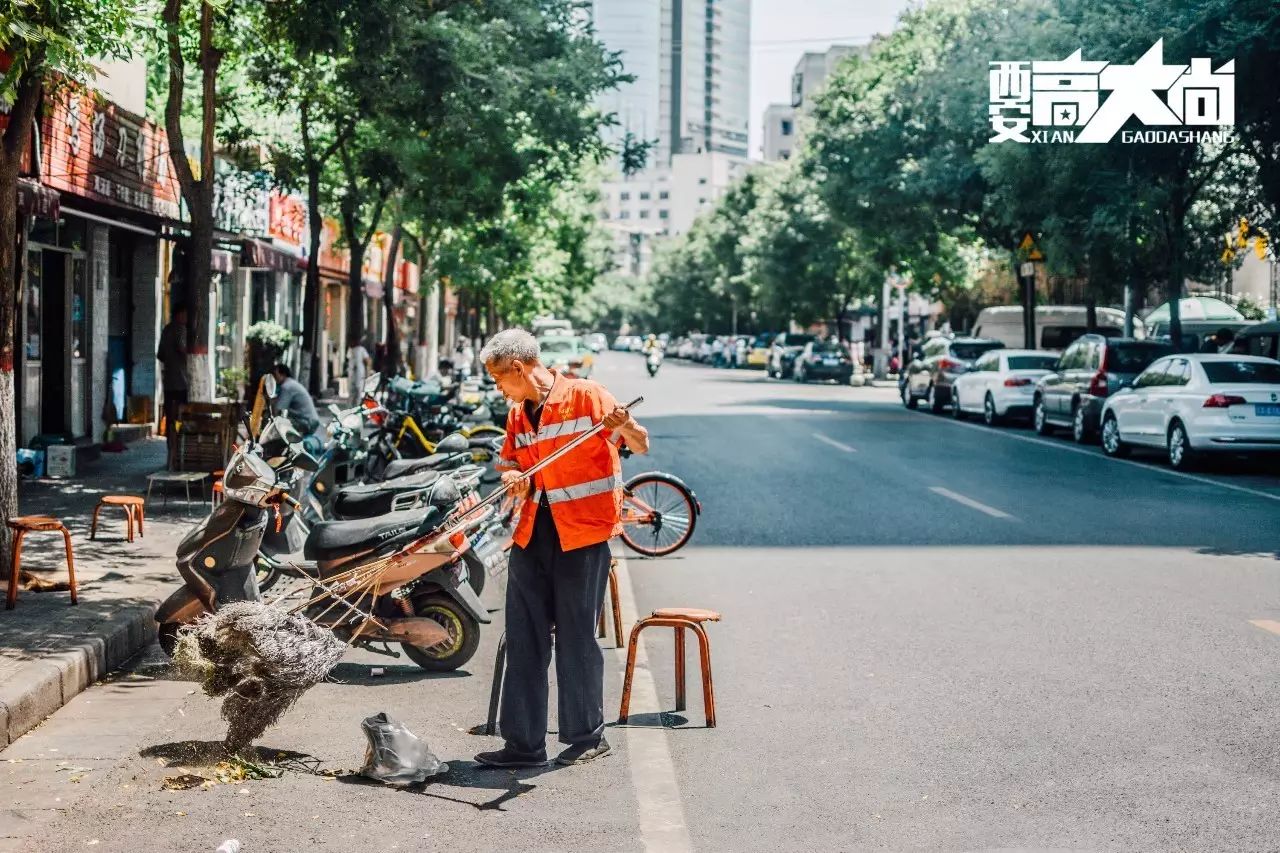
x=46, y=37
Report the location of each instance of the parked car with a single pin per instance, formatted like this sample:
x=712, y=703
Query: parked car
x=1057, y=326
x=1196, y=404
x=623, y=343
x=637, y=344
x=1000, y=384
x=758, y=351
x=783, y=352
x=567, y=354
x=930, y=376
x=1262, y=339
x=823, y=360
x=1092, y=369
x=702, y=354
x=687, y=347
x=597, y=342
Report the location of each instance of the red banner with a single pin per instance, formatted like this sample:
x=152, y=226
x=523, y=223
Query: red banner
x=100, y=151
x=287, y=220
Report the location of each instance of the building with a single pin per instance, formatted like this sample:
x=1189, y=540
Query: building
x=779, y=132
x=784, y=123
x=691, y=64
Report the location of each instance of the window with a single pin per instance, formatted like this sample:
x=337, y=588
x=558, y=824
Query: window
x=1153, y=375
x=1179, y=373
x=662, y=214
x=663, y=195
x=786, y=127
x=702, y=201
x=624, y=196
x=987, y=362
x=1240, y=372
x=626, y=214
x=968, y=352
x=1032, y=362
x=644, y=196
x=1072, y=359
x=644, y=214
x=702, y=180
x=784, y=155
x=1134, y=357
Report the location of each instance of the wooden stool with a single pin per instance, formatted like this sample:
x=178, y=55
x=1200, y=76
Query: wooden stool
x=616, y=606
x=133, y=511
x=679, y=618
x=21, y=526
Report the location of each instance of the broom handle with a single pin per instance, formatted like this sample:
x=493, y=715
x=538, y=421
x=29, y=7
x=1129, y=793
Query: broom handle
x=498, y=493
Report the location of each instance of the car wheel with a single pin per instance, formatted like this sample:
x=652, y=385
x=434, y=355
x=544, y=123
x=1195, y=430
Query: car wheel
x=908, y=399
x=956, y=411
x=935, y=405
x=990, y=416
x=1181, y=456
x=1079, y=426
x=1041, y=419
x=1111, y=443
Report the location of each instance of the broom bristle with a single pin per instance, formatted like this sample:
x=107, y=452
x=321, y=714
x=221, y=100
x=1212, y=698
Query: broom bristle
x=261, y=658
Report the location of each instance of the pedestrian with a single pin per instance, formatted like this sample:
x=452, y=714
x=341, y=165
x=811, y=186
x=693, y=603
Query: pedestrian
x=559, y=563
x=717, y=353
x=294, y=402
x=172, y=355
x=359, y=363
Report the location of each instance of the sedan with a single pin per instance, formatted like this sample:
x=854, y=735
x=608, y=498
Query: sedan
x=1191, y=405
x=823, y=360
x=567, y=354
x=941, y=361
x=1001, y=384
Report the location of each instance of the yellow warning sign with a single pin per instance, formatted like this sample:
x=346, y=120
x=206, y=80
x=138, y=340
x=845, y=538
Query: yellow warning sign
x=1029, y=246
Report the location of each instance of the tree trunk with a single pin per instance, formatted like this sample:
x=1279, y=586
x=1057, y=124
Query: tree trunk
x=12, y=146
x=355, y=294
x=1176, y=217
x=392, y=364
x=1091, y=314
x=312, y=303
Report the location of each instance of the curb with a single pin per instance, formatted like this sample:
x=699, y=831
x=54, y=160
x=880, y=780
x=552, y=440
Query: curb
x=43, y=686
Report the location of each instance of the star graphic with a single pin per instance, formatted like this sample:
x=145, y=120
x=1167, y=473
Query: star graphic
x=1065, y=115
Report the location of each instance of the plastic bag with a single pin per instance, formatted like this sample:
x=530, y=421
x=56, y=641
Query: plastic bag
x=396, y=755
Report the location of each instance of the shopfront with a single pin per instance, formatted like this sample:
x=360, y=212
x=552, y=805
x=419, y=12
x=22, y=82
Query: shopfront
x=91, y=275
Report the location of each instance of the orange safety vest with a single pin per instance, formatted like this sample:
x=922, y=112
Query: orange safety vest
x=584, y=487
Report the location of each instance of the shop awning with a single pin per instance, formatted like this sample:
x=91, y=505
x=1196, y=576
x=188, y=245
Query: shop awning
x=223, y=262
x=255, y=254
x=35, y=199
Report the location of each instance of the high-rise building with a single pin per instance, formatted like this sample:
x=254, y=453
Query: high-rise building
x=690, y=60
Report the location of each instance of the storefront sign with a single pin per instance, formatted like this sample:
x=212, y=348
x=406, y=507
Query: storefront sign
x=100, y=151
x=333, y=260
x=287, y=220
x=239, y=201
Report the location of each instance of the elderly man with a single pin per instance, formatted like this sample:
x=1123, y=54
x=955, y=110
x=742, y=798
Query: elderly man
x=560, y=560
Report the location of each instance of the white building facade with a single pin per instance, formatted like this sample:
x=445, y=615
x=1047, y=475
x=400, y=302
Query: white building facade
x=784, y=124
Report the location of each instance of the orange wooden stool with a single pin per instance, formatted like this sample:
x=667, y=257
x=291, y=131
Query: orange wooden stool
x=678, y=618
x=21, y=526
x=616, y=607
x=133, y=512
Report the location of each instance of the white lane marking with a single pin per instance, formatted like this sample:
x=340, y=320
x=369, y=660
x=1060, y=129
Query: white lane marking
x=1266, y=625
x=1149, y=468
x=838, y=445
x=662, y=823
x=969, y=502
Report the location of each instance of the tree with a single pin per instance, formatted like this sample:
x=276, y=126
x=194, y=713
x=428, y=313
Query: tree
x=43, y=45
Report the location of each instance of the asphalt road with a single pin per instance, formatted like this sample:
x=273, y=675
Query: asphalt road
x=936, y=636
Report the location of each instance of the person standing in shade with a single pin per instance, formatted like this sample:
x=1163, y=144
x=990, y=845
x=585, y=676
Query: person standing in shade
x=359, y=363
x=172, y=355
x=560, y=560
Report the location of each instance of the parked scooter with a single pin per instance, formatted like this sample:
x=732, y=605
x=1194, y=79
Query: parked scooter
x=419, y=598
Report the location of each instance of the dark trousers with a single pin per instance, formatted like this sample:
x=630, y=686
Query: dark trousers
x=548, y=587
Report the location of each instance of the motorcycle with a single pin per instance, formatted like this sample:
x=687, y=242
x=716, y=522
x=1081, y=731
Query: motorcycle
x=416, y=595
x=653, y=361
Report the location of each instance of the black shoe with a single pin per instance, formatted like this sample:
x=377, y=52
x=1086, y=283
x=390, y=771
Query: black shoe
x=581, y=753
x=506, y=758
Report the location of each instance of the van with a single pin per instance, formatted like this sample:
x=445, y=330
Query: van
x=1056, y=325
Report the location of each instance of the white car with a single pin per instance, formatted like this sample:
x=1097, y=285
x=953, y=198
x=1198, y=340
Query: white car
x=1192, y=403
x=1001, y=384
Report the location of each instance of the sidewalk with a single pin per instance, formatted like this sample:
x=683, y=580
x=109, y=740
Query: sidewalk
x=50, y=651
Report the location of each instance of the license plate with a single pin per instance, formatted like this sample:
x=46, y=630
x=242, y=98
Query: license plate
x=1263, y=410
x=831, y=362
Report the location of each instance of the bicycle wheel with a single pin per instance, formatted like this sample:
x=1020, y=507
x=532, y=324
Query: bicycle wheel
x=658, y=514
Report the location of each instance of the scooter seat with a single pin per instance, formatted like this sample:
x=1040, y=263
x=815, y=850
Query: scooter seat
x=435, y=462
x=331, y=540
x=378, y=498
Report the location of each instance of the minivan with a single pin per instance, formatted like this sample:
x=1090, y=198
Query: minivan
x=1057, y=326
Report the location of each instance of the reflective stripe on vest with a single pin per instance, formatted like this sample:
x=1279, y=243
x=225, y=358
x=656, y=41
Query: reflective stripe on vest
x=584, y=490
x=557, y=430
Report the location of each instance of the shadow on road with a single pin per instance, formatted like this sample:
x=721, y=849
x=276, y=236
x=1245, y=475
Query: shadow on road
x=361, y=674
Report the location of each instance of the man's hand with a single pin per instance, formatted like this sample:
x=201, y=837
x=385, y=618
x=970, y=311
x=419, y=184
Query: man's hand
x=617, y=419
x=519, y=485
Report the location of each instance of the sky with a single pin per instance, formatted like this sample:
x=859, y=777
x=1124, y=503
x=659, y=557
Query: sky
x=782, y=30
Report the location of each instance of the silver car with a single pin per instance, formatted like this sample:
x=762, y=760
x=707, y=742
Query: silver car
x=1193, y=404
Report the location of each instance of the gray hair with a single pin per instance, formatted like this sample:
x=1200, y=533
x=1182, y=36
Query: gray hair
x=511, y=345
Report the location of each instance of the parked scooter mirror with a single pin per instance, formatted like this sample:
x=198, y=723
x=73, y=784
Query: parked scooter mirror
x=372, y=382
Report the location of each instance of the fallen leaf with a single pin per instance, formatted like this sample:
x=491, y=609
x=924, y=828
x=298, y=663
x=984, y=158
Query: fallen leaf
x=92, y=842
x=180, y=814
x=182, y=782
x=250, y=814
x=76, y=778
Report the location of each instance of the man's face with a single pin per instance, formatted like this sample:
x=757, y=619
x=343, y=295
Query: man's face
x=512, y=379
